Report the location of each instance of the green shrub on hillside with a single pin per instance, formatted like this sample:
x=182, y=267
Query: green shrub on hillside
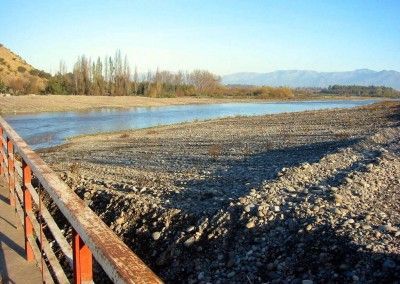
x=34, y=72
x=60, y=85
x=3, y=87
x=39, y=73
x=21, y=69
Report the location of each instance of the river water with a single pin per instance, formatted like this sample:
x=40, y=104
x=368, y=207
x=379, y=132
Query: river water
x=50, y=129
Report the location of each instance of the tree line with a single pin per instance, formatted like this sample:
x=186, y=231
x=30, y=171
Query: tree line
x=362, y=91
x=112, y=76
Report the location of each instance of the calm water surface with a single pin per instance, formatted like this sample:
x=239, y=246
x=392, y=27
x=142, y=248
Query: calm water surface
x=51, y=129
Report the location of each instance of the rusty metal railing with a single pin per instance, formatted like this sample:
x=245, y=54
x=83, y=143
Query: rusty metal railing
x=91, y=237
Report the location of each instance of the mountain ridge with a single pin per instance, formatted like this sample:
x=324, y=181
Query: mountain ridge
x=311, y=78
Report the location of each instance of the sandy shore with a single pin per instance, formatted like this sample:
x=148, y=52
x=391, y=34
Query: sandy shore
x=279, y=198
x=51, y=103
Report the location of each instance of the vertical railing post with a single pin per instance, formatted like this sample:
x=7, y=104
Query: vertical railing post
x=1, y=151
x=83, y=262
x=26, y=180
x=11, y=185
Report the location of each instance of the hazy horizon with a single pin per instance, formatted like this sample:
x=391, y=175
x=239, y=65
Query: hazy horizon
x=223, y=37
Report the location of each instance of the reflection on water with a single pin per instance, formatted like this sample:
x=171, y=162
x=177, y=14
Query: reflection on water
x=50, y=129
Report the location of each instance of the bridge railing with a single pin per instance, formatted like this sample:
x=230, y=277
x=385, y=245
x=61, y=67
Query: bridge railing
x=91, y=237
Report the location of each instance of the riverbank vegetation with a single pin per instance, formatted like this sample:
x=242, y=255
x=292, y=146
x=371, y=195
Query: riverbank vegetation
x=112, y=76
x=361, y=91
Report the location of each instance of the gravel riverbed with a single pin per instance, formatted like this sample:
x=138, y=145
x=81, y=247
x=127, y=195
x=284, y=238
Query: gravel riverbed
x=304, y=197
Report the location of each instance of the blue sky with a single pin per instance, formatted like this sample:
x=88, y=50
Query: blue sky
x=220, y=36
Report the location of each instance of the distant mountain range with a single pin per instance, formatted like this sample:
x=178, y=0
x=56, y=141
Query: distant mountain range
x=305, y=78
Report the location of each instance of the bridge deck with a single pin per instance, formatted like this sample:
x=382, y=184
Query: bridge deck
x=13, y=266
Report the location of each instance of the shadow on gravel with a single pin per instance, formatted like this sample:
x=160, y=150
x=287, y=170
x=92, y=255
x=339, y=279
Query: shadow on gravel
x=280, y=252
x=237, y=177
x=395, y=116
x=338, y=179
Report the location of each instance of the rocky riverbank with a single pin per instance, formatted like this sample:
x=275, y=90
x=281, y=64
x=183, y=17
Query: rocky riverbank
x=290, y=198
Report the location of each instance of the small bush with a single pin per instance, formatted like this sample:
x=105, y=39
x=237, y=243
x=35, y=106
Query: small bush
x=342, y=135
x=40, y=73
x=3, y=87
x=125, y=135
x=151, y=131
x=34, y=72
x=74, y=168
x=215, y=151
x=21, y=69
x=43, y=74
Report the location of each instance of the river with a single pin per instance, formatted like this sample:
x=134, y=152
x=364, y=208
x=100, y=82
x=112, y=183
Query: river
x=43, y=130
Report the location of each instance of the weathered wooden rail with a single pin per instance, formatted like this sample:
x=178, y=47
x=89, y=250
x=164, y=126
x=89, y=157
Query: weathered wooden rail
x=91, y=237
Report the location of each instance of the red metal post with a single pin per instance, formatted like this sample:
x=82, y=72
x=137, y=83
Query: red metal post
x=11, y=185
x=1, y=150
x=26, y=180
x=83, y=261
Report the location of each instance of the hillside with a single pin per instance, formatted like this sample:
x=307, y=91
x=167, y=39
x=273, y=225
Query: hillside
x=305, y=78
x=17, y=74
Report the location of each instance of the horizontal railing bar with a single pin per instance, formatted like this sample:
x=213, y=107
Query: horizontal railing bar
x=54, y=263
x=54, y=229
x=117, y=260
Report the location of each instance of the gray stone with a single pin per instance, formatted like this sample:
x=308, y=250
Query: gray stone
x=156, y=235
x=248, y=208
x=388, y=228
x=250, y=225
x=120, y=221
x=189, y=241
x=200, y=276
x=190, y=229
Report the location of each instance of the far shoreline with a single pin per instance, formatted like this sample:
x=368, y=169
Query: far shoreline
x=31, y=104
